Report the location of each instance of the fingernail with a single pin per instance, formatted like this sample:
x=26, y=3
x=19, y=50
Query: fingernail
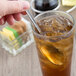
x=26, y=5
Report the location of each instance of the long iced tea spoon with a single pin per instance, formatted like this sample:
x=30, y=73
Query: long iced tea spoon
x=33, y=21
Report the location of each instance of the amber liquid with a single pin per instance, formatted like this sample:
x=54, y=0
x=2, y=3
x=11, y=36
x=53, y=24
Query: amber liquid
x=55, y=56
x=49, y=68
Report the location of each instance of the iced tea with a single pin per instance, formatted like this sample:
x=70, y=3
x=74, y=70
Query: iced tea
x=55, y=45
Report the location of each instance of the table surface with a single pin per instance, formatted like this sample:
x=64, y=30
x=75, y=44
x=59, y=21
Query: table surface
x=26, y=63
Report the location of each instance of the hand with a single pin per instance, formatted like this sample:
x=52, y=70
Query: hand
x=10, y=10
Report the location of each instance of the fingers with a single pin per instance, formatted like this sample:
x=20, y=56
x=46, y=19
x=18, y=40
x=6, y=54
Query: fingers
x=10, y=19
x=13, y=17
x=2, y=21
x=12, y=7
x=17, y=16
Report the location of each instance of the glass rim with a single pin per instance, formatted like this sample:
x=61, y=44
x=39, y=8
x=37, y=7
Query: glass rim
x=58, y=35
x=31, y=4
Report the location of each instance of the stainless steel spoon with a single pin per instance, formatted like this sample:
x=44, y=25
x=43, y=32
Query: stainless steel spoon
x=33, y=21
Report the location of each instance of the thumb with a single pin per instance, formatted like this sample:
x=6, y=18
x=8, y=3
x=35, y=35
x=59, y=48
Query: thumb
x=11, y=7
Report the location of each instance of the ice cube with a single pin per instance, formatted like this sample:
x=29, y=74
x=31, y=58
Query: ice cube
x=55, y=26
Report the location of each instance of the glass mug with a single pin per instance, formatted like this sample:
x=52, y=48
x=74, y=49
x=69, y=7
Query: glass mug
x=55, y=52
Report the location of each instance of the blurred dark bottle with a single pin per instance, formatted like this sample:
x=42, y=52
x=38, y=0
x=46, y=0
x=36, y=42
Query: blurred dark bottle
x=44, y=5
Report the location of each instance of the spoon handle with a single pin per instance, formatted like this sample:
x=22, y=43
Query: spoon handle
x=30, y=16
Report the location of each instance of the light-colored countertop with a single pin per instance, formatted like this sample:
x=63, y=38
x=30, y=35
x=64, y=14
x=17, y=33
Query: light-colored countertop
x=26, y=63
